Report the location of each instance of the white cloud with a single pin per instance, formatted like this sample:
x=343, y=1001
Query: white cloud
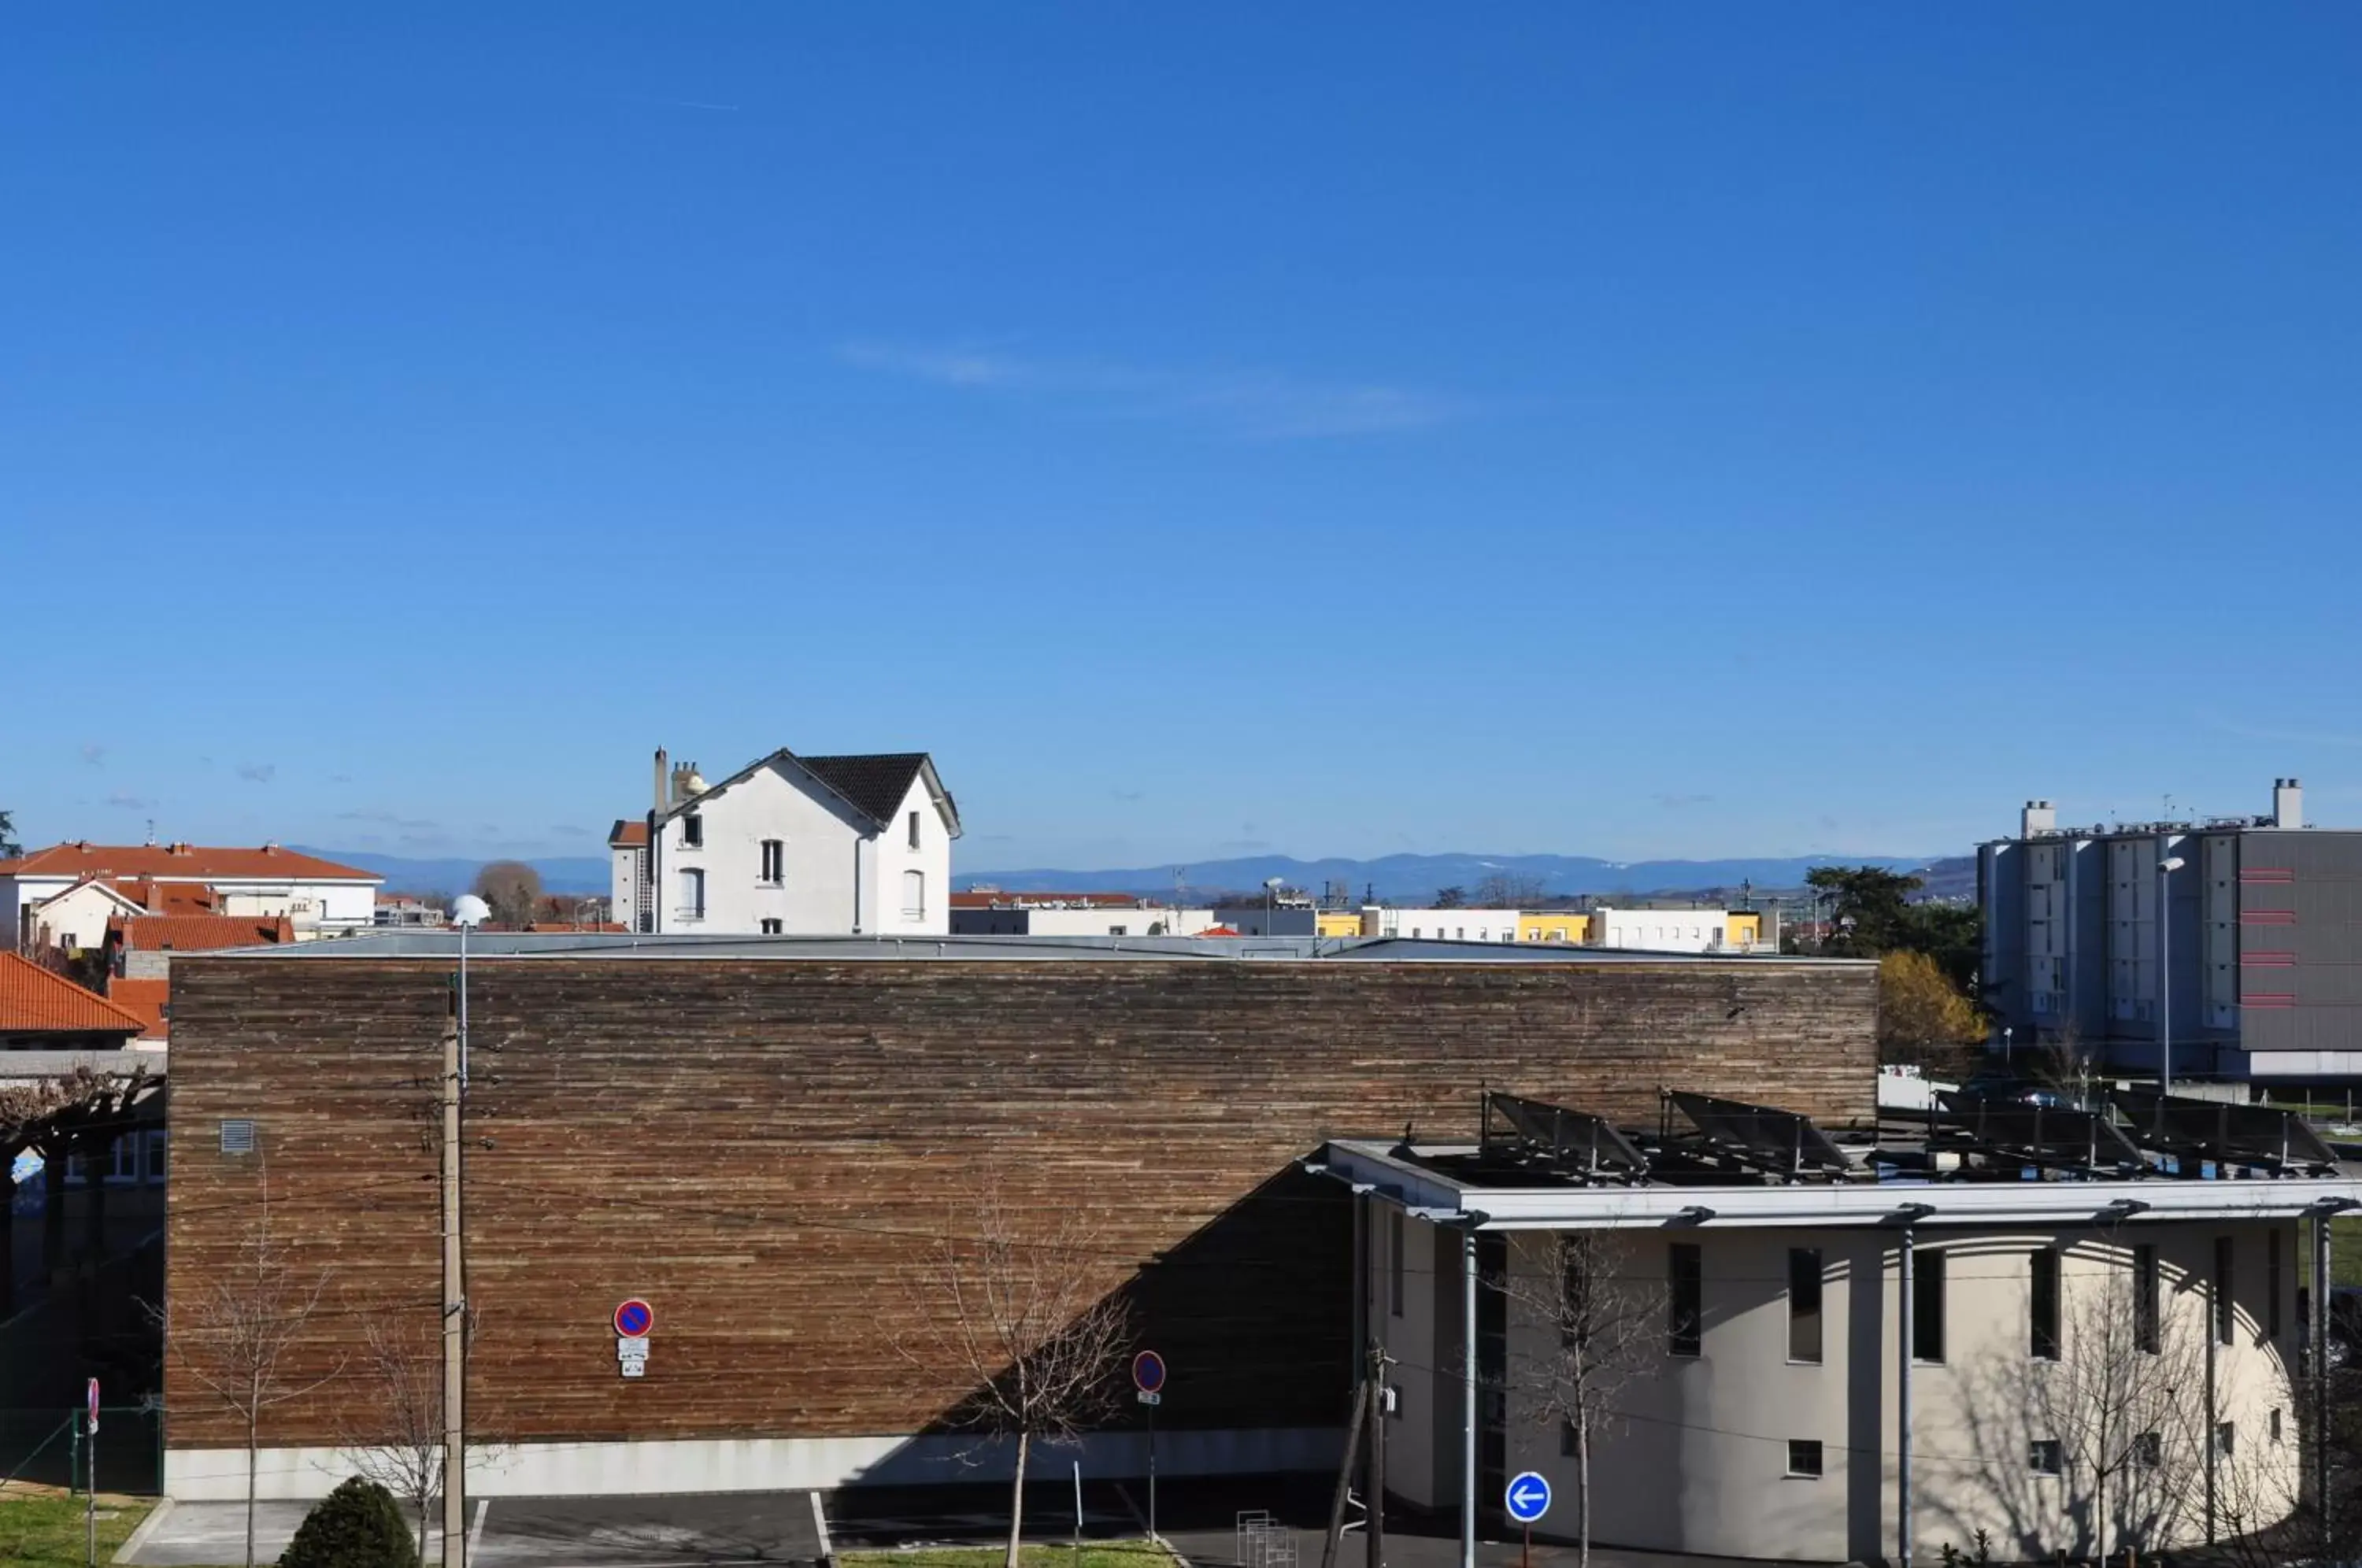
x=1255, y=405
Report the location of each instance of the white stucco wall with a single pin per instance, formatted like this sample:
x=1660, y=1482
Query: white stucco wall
x=1697, y=1460
x=932, y=860
x=1449, y=925
x=815, y=896
x=314, y=907
x=1660, y=930
x=77, y=917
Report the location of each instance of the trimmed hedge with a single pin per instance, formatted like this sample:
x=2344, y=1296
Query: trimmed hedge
x=359, y=1525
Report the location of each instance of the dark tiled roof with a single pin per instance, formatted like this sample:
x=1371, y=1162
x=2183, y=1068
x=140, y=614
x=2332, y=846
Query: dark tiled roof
x=875, y=784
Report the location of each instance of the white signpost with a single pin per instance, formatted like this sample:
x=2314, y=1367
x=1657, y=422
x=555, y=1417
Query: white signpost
x=633, y=1320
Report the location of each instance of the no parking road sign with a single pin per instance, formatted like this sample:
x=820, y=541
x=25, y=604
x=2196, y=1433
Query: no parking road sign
x=1528, y=1498
x=633, y=1318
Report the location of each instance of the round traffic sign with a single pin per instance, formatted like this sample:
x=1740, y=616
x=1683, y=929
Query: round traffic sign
x=1528, y=1497
x=1148, y=1372
x=633, y=1318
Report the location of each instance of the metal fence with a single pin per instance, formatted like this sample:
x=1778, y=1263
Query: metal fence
x=45, y=1446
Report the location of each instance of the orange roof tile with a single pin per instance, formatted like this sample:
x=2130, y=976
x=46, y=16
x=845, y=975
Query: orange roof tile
x=183, y=861
x=627, y=835
x=200, y=934
x=33, y=1000
x=147, y=1000
x=167, y=898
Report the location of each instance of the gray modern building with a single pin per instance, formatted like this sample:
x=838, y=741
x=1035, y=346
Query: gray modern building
x=2240, y=936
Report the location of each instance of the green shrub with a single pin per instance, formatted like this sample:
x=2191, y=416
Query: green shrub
x=359, y=1525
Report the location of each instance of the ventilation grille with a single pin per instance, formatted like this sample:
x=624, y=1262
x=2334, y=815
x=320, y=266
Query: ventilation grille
x=237, y=1136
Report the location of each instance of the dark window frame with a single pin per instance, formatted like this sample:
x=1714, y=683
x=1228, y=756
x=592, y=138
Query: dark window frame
x=1806, y=1307
x=1927, y=1296
x=2146, y=1313
x=2045, y=1272
x=1684, y=1300
x=1805, y=1458
x=2226, y=1299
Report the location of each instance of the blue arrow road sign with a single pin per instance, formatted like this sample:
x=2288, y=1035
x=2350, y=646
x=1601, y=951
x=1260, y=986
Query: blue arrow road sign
x=1528, y=1497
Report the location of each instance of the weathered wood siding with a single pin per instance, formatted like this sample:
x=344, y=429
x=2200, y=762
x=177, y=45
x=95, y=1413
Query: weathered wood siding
x=757, y=1147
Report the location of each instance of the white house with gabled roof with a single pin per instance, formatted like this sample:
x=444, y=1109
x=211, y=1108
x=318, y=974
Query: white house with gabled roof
x=790, y=845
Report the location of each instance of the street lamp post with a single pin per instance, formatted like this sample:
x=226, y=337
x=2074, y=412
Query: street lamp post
x=466, y=913
x=2165, y=869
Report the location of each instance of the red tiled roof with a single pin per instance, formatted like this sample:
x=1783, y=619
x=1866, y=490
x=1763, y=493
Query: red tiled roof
x=167, y=898
x=33, y=1000
x=627, y=835
x=178, y=860
x=200, y=934
x=1217, y=931
x=145, y=999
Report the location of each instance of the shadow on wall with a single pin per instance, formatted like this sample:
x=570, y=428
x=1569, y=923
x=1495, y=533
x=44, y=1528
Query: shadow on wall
x=1249, y=1315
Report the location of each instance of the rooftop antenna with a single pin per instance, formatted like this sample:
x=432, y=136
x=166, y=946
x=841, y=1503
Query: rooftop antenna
x=151, y=832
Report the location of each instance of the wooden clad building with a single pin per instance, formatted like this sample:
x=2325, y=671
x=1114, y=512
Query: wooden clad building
x=761, y=1138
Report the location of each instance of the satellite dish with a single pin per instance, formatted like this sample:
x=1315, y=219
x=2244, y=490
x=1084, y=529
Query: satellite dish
x=470, y=910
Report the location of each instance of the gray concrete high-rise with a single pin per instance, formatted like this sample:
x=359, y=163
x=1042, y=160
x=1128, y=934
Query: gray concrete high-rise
x=2263, y=980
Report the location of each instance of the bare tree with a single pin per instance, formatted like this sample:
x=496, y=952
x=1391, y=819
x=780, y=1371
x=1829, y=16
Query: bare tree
x=1005, y=1299
x=236, y=1333
x=1508, y=890
x=392, y=1427
x=513, y=889
x=1591, y=1328
x=28, y=1116
x=2123, y=1398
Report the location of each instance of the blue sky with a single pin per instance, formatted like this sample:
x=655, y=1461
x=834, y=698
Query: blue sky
x=1339, y=429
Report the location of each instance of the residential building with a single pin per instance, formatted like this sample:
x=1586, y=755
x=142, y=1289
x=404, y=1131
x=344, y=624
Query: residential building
x=2265, y=932
x=408, y=909
x=1553, y=925
x=991, y=912
x=1454, y=924
x=1754, y=1280
x=322, y=897
x=790, y=845
x=822, y=1107
x=40, y=1010
x=141, y=947
x=1678, y=929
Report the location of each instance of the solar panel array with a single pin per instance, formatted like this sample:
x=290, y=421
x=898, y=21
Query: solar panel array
x=1572, y=1142
x=2234, y=1134
x=1763, y=1134
x=2043, y=1135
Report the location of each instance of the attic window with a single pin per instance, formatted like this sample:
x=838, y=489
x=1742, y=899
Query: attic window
x=914, y=830
x=237, y=1136
x=692, y=832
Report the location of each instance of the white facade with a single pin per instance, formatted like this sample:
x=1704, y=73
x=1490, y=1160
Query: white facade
x=1166, y=920
x=317, y=906
x=777, y=849
x=76, y=915
x=1442, y=925
x=1662, y=931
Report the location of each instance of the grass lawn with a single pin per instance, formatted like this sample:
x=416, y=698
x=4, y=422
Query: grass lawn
x=44, y=1530
x=1094, y=1554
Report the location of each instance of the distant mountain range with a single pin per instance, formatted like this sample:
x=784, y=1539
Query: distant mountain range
x=564, y=874
x=1401, y=878
x=1407, y=878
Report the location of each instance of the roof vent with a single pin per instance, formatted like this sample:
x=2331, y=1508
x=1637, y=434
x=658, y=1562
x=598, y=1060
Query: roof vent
x=237, y=1136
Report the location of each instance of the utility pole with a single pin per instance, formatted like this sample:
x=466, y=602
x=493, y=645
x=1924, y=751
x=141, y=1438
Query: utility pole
x=455, y=1315
x=1378, y=1413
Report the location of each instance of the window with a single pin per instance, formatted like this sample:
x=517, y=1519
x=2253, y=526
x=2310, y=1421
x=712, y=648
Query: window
x=1574, y=1293
x=2224, y=1435
x=693, y=894
x=1804, y=1458
x=914, y=830
x=914, y=895
x=773, y=927
x=123, y=1159
x=1927, y=1304
x=1414, y=930
x=2276, y=1423
x=2272, y=1286
x=2225, y=1310
x=1805, y=1313
x=775, y=861
x=1119, y=930
x=2145, y=1299
x=1395, y=1262
x=157, y=1143
x=2148, y=1451
x=1459, y=933
x=237, y=1136
x=2043, y=1341
x=1685, y=1302
x=692, y=832
x=2043, y=1457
